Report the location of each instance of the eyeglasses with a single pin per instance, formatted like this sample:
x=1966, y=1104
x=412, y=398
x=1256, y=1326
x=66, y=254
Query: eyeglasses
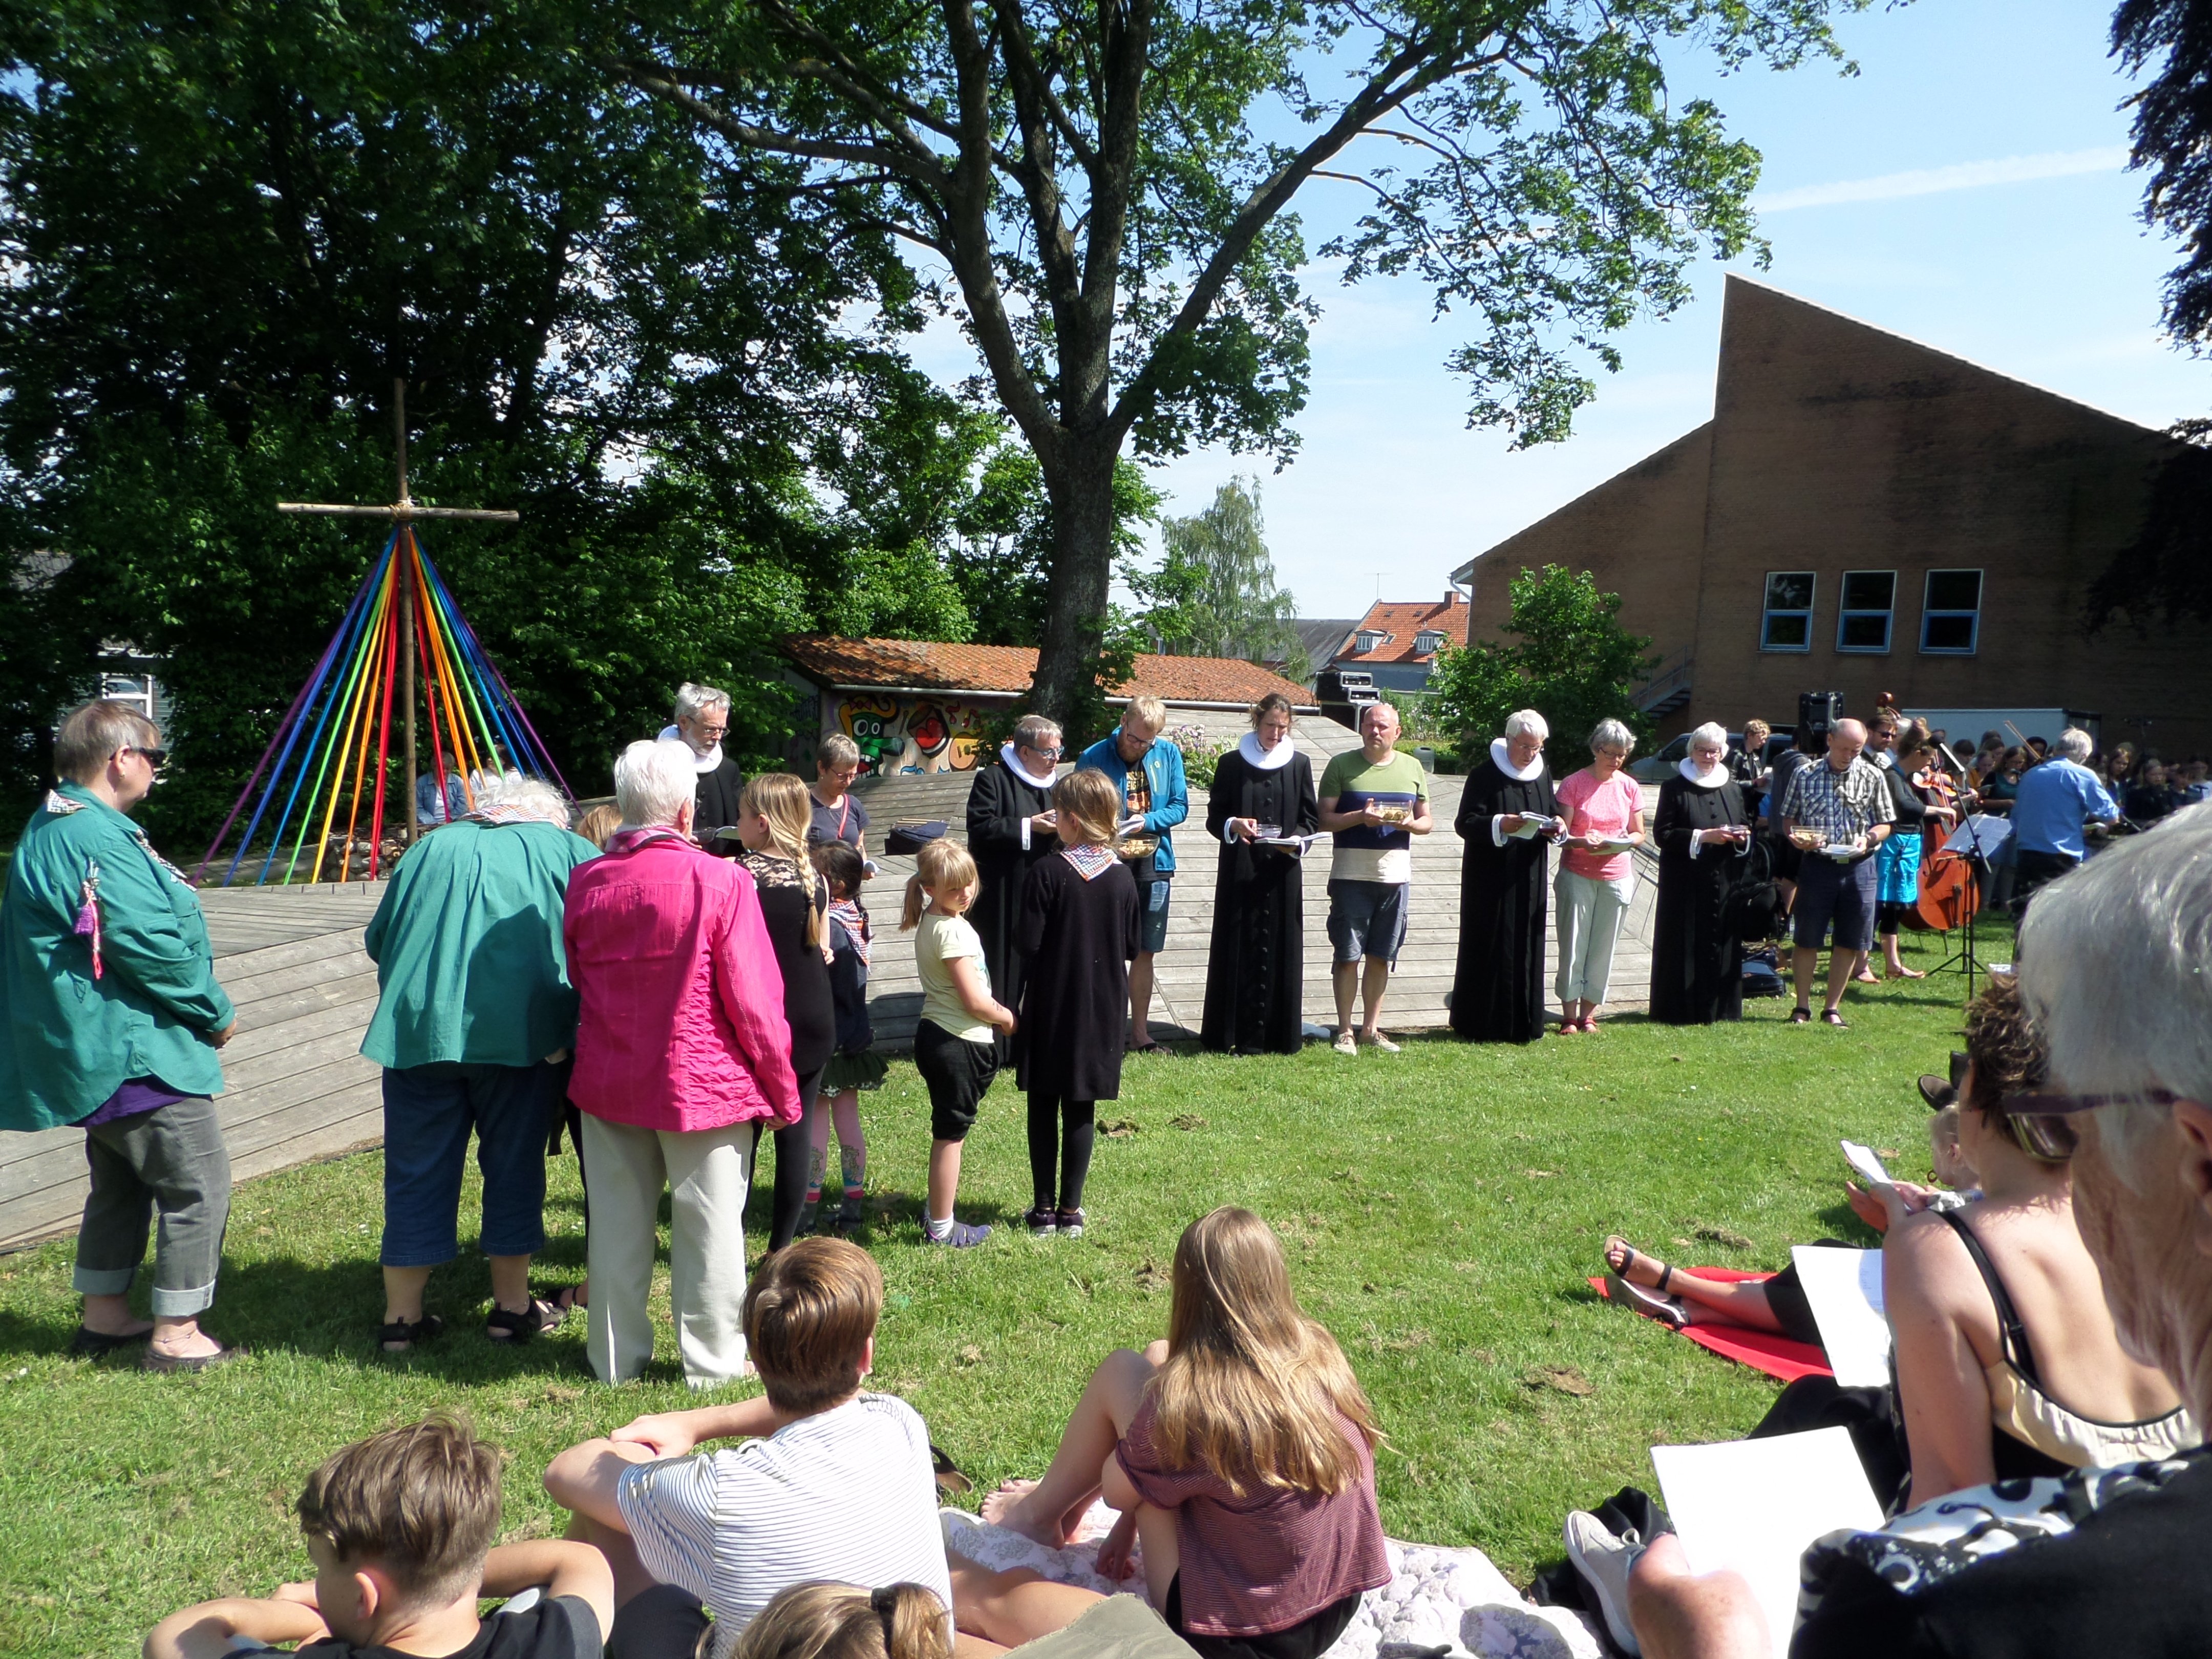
x=156, y=758
x=2056, y=1105
x=1047, y=754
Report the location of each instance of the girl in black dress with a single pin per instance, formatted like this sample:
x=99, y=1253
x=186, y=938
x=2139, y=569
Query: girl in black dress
x=1077, y=932
x=773, y=819
x=1256, y=973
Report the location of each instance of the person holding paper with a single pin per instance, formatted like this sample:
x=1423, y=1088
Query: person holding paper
x=1373, y=803
x=1263, y=809
x=1010, y=833
x=1508, y=815
x=1836, y=812
x=2093, y=1561
x=1704, y=830
x=1604, y=810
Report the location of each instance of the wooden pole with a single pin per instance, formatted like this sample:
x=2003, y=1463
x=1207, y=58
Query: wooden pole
x=404, y=552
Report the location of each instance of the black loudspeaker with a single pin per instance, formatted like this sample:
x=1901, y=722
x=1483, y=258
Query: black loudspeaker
x=1817, y=711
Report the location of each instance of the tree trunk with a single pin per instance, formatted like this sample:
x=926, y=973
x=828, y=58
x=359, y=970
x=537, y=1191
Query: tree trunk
x=1080, y=482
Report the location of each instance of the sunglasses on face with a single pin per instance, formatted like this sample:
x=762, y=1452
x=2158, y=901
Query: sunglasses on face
x=156, y=758
x=2056, y=1105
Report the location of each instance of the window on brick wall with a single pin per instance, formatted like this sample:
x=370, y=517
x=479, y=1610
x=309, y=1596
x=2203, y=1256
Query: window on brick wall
x=1869, y=605
x=1951, y=614
x=1787, y=624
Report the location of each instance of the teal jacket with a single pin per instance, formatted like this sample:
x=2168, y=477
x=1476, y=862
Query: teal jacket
x=68, y=1041
x=1163, y=764
x=467, y=946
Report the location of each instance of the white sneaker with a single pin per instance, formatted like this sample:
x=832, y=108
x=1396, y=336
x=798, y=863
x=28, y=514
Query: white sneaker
x=1378, y=1040
x=1346, y=1043
x=1604, y=1560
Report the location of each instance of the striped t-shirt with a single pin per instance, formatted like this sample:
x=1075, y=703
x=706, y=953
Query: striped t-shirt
x=1373, y=852
x=848, y=1495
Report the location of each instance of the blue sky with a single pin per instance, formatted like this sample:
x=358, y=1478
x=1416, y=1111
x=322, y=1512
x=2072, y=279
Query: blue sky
x=1967, y=189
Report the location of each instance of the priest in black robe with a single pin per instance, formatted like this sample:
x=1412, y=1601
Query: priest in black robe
x=1009, y=833
x=1497, y=992
x=1704, y=833
x=1255, y=972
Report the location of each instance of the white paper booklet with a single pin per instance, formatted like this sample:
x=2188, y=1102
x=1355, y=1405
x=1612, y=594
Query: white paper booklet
x=1843, y=1288
x=1535, y=824
x=1867, y=1165
x=1755, y=1504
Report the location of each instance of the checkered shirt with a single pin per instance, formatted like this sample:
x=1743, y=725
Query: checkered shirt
x=1842, y=805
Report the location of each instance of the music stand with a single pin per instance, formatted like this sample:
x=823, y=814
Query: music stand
x=1979, y=838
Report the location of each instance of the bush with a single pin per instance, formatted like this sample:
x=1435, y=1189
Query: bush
x=1574, y=663
x=1201, y=752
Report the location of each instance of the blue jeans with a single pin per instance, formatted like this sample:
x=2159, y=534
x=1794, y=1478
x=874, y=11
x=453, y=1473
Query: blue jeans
x=429, y=1111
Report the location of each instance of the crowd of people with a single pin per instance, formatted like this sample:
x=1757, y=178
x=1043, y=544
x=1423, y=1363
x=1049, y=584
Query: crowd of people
x=671, y=1008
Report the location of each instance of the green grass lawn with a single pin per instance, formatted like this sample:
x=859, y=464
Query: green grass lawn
x=1440, y=1209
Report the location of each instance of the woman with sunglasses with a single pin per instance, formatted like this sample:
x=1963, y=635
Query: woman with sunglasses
x=1011, y=830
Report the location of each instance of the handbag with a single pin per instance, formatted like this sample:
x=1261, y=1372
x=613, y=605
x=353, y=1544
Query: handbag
x=910, y=838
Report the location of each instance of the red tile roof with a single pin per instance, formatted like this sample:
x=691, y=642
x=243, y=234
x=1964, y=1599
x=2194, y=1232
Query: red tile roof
x=1400, y=622
x=934, y=665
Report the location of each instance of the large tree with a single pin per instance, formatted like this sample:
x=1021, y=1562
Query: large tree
x=229, y=224
x=1107, y=190
x=1214, y=593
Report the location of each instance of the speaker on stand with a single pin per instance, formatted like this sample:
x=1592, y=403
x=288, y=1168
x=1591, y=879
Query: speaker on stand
x=1817, y=715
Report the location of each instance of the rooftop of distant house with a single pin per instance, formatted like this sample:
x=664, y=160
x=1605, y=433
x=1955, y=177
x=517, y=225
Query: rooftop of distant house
x=872, y=664
x=1406, y=631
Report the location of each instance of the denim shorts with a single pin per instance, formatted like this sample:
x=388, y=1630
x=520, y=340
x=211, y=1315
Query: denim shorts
x=1153, y=897
x=429, y=1111
x=1367, y=919
x=1831, y=892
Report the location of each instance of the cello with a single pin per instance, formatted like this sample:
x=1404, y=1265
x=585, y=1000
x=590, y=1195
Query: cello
x=1949, y=891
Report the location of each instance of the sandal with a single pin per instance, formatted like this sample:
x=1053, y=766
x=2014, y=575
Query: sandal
x=1801, y=1016
x=1629, y=1257
x=569, y=1297
x=503, y=1325
x=402, y=1334
x=1905, y=973
x=1667, y=1310
x=1835, y=1017
x=88, y=1344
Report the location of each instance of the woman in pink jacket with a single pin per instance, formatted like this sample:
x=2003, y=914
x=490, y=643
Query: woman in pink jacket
x=681, y=1050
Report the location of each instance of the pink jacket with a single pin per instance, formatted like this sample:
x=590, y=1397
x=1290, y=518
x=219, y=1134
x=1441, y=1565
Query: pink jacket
x=681, y=1025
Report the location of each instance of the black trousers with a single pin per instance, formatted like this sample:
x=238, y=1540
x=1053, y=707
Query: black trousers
x=795, y=1147
x=2034, y=870
x=1061, y=1132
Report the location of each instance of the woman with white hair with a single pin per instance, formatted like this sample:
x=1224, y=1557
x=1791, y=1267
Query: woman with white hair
x=1507, y=816
x=682, y=1049
x=2098, y=1559
x=1010, y=833
x=475, y=1013
x=702, y=721
x=1604, y=810
x=1702, y=828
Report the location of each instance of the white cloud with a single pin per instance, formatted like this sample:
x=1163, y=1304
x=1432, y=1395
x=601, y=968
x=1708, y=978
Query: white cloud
x=1961, y=175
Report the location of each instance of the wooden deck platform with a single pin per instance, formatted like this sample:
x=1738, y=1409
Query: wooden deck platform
x=297, y=1088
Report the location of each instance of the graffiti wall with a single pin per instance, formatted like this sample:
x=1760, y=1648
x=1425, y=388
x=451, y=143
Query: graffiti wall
x=912, y=733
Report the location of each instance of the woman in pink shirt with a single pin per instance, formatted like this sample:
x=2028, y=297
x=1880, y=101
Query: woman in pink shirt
x=1604, y=810
x=681, y=1049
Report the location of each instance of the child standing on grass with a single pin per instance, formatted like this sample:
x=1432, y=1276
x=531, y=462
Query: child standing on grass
x=1240, y=1453
x=1078, y=928
x=853, y=1066
x=953, y=1046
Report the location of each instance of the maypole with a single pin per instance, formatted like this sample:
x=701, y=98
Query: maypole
x=334, y=744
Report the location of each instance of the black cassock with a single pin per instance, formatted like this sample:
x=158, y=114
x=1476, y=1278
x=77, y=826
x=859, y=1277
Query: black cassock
x=1498, y=993
x=1254, y=974
x=1697, y=970
x=1078, y=937
x=998, y=801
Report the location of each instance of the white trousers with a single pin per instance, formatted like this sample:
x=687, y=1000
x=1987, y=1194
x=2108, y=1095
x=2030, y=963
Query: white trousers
x=707, y=1173
x=1590, y=911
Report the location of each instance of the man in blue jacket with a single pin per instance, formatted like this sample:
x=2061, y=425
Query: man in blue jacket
x=1148, y=770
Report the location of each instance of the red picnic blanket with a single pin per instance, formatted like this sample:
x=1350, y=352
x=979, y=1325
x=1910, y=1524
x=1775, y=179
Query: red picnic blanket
x=1778, y=1355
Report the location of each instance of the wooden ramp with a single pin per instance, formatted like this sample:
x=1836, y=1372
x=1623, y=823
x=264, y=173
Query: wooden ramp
x=295, y=1087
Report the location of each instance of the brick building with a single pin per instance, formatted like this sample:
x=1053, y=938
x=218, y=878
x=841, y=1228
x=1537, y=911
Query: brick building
x=1862, y=514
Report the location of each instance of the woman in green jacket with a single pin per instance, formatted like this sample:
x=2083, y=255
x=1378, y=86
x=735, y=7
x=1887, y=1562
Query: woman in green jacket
x=110, y=1016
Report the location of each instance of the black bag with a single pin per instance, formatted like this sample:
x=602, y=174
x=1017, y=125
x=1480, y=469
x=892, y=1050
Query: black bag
x=1752, y=912
x=1560, y=1585
x=908, y=838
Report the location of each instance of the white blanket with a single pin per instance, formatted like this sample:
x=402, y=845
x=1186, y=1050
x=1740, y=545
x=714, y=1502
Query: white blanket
x=1439, y=1604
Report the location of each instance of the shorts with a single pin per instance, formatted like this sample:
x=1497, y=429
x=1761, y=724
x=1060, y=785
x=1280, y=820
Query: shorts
x=661, y=1621
x=1153, y=922
x=1307, y=1639
x=1367, y=919
x=958, y=1074
x=429, y=1112
x=1831, y=892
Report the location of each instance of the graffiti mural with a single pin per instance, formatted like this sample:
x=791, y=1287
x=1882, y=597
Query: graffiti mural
x=912, y=733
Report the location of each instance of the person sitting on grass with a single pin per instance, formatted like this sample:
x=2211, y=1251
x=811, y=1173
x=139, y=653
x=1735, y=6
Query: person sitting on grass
x=399, y=1526
x=834, y=1484
x=1240, y=1452
x=843, y=1621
